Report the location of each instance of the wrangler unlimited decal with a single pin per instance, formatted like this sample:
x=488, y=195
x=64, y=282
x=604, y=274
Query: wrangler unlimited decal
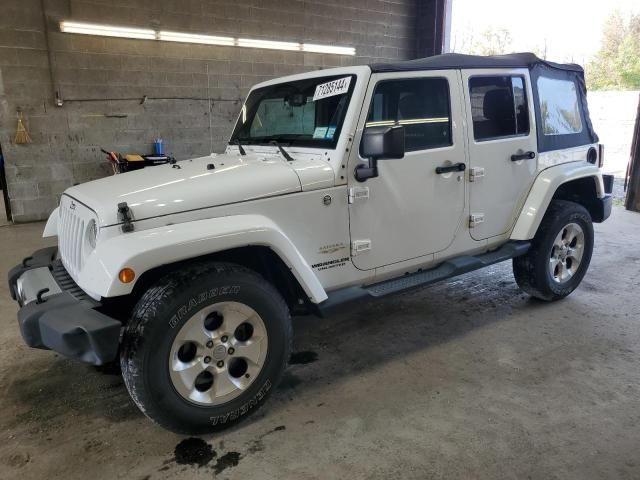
x=330, y=264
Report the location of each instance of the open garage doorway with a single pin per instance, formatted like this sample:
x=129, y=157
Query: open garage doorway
x=602, y=38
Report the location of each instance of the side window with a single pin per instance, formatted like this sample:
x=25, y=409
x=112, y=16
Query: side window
x=498, y=107
x=421, y=105
x=559, y=107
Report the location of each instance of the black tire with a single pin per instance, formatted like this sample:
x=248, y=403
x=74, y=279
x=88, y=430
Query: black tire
x=531, y=270
x=157, y=319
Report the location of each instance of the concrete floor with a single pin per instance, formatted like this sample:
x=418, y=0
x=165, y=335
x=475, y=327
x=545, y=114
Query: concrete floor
x=467, y=379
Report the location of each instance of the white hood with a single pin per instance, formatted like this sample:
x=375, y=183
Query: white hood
x=190, y=185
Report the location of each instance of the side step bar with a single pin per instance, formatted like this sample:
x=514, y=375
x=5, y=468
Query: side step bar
x=450, y=268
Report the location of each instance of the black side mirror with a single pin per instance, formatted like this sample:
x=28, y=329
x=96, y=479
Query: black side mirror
x=379, y=143
x=383, y=142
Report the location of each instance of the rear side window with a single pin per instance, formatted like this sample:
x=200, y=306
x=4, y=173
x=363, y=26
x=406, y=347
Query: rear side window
x=421, y=105
x=498, y=107
x=559, y=107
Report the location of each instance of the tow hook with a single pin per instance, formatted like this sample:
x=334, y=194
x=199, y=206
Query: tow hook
x=39, y=298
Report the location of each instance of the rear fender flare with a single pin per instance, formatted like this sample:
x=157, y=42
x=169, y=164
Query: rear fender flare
x=542, y=191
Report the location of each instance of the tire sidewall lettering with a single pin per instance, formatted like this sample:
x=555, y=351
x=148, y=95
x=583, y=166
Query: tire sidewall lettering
x=243, y=409
x=184, y=310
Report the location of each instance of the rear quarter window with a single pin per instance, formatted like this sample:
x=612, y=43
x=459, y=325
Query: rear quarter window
x=559, y=106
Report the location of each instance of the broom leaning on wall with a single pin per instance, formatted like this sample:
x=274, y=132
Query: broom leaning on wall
x=22, y=136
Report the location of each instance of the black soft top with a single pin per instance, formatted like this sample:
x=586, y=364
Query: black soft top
x=459, y=60
x=538, y=68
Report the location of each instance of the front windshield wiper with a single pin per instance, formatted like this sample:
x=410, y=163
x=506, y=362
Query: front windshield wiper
x=283, y=138
x=240, y=147
x=282, y=150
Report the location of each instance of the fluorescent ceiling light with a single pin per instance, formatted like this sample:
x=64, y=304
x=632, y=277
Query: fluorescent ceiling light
x=169, y=36
x=312, y=47
x=107, y=30
x=194, y=38
x=246, y=42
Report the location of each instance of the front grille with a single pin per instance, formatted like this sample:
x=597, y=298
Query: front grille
x=74, y=220
x=66, y=283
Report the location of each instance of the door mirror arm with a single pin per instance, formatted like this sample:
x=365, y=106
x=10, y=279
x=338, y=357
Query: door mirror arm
x=364, y=172
x=379, y=143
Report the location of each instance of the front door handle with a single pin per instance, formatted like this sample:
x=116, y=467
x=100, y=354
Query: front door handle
x=456, y=167
x=523, y=156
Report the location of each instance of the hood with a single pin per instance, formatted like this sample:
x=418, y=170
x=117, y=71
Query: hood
x=193, y=184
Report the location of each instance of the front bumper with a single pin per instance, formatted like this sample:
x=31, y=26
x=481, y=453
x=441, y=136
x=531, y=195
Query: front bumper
x=57, y=315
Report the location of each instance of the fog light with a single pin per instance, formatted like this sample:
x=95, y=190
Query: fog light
x=126, y=275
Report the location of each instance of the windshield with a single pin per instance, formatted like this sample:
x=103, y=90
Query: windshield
x=307, y=112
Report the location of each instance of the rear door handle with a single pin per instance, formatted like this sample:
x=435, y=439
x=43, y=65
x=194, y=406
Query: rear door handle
x=523, y=156
x=456, y=167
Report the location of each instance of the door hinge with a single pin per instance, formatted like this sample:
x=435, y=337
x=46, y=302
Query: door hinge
x=476, y=219
x=475, y=173
x=358, y=193
x=360, y=246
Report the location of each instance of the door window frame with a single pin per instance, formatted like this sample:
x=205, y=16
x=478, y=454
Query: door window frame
x=527, y=101
x=411, y=78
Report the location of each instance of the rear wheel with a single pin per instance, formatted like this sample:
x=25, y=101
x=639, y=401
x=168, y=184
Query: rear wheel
x=205, y=347
x=560, y=252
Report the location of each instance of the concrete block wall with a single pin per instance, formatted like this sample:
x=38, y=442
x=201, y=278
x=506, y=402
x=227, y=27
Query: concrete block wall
x=193, y=91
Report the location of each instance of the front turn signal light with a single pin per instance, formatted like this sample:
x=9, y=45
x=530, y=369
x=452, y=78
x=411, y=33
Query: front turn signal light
x=126, y=275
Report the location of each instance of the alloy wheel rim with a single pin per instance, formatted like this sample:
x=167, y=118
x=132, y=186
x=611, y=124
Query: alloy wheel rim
x=566, y=253
x=218, y=353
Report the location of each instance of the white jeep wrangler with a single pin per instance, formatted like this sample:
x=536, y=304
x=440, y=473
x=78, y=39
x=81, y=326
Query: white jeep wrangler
x=337, y=185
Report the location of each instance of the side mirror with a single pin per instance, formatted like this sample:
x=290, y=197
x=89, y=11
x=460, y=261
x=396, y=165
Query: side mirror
x=379, y=143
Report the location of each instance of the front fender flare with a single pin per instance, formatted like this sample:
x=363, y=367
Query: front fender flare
x=544, y=187
x=152, y=248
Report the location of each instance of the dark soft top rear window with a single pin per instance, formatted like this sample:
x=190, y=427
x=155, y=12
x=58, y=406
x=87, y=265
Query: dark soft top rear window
x=562, y=113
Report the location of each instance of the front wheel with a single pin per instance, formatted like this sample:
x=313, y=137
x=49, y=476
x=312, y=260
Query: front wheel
x=205, y=347
x=560, y=253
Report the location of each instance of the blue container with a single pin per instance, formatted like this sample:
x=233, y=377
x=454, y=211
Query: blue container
x=158, y=147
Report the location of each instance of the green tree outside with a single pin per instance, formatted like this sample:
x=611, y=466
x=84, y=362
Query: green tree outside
x=616, y=66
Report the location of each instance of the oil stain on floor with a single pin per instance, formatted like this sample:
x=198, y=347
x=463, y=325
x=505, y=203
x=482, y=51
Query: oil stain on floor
x=301, y=358
x=198, y=453
x=194, y=451
x=229, y=459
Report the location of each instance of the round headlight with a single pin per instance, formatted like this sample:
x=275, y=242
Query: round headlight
x=92, y=233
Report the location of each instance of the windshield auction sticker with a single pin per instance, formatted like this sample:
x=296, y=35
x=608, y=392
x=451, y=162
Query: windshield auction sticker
x=330, y=89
